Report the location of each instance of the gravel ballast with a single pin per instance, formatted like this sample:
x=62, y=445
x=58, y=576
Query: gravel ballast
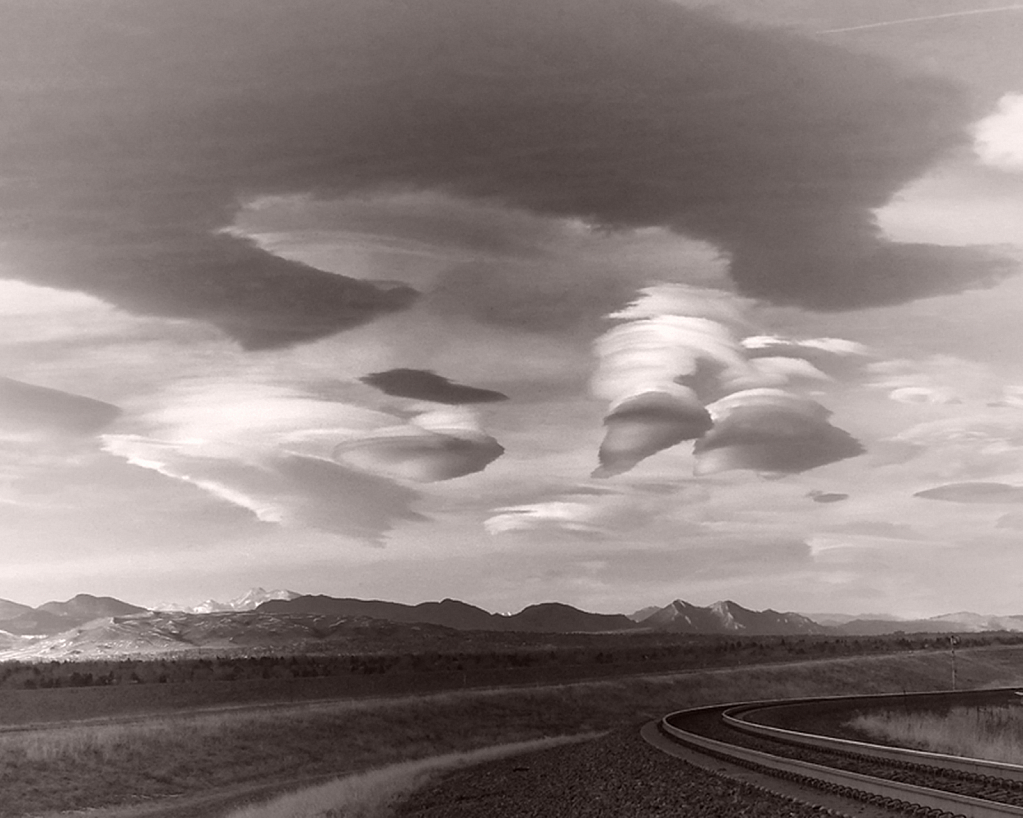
x=617, y=775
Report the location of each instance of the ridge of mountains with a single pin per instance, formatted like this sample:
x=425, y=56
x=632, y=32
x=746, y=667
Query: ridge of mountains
x=88, y=626
x=54, y=617
x=728, y=617
x=248, y=601
x=547, y=617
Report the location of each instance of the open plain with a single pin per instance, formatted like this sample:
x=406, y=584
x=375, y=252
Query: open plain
x=204, y=761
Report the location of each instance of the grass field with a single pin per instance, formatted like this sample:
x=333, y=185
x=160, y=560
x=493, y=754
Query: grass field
x=371, y=794
x=83, y=766
x=994, y=733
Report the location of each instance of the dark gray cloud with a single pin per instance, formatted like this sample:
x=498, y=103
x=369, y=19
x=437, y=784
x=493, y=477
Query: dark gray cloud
x=974, y=493
x=29, y=409
x=771, y=431
x=422, y=384
x=644, y=425
x=126, y=153
x=827, y=496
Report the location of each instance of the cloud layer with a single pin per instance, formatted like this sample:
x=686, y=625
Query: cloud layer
x=27, y=410
x=775, y=149
x=280, y=488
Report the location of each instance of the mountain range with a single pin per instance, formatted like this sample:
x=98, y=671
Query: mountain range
x=549, y=617
x=727, y=617
x=91, y=626
x=248, y=601
x=175, y=633
x=54, y=617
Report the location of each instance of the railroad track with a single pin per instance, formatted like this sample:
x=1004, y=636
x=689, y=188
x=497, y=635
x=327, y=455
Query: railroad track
x=902, y=781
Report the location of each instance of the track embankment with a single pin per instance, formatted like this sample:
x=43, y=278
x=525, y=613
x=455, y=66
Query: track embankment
x=617, y=775
x=911, y=781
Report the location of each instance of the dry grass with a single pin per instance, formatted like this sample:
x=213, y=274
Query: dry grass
x=90, y=766
x=371, y=794
x=993, y=733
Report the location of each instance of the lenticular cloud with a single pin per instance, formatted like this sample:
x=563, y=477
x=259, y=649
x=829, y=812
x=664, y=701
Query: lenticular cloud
x=772, y=431
x=675, y=370
x=436, y=445
x=657, y=368
x=645, y=424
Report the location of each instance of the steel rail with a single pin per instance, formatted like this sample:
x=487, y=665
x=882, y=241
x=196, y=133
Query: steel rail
x=733, y=717
x=899, y=795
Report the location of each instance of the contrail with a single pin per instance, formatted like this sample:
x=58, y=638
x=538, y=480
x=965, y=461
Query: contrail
x=1016, y=7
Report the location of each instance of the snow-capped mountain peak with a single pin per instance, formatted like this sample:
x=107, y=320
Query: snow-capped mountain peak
x=248, y=601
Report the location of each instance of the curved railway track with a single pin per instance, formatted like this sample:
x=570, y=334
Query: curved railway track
x=903, y=781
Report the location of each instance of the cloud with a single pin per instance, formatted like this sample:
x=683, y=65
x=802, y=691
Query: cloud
x=982, y=445
x=998, y=138
x=1012, y=396
x=482, y=260
x=922, y=394
x=937, y=380
x=677, y=351
x=421, y=384
x=284, y=489
x=780, y=371
x=974, y=493
x=646, y=424
x=27, y=410
x=776, y=149
x=877, y=528
x=577, y=517
x=436, y=445
x=576, y=513
x=297, y=460
x=419, y=455
x=827, y=496
x=772, y=431
x=658, y=368
x=827, y=357
x=1012, y=520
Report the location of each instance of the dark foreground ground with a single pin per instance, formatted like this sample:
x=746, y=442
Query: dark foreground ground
x=618, y=775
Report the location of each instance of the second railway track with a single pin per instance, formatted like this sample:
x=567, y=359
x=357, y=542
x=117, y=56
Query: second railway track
x=908, y=781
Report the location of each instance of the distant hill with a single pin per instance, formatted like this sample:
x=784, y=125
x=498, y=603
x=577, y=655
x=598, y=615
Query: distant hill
x=54, y=617
x=87, y=606
x=961, y=622
x=59, y=624
x=36, y=622
x=9, y=610
x=643, y=613
x=555, y=617
x=981, y=622
x=163, y=633
x=882, y=627
x=728, y=617
x=551, y=617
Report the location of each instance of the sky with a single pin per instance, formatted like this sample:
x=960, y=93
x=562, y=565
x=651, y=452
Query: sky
x=607, y=302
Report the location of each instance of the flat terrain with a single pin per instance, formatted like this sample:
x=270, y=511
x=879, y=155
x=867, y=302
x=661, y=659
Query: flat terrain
x=173, y=758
